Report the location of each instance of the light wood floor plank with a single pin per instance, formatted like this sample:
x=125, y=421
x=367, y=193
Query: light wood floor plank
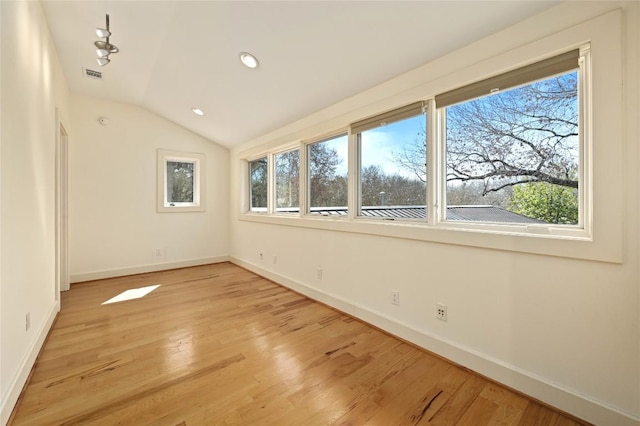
x=217, y=344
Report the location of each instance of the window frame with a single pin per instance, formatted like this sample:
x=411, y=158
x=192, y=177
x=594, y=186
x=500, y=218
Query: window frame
x=581, y=230
x=436, y=188
x=415, y=109
x=165, y=156
x=305, y=175
x=272, y=204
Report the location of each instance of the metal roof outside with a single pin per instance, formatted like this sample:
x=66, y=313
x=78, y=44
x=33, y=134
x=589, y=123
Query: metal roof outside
x=480, y=213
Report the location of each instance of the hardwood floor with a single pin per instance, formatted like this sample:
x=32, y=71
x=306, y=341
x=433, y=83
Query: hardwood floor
x=217, y=344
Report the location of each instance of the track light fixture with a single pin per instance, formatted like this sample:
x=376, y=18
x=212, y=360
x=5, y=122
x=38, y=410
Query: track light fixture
x=102, y=33
x=104, y=48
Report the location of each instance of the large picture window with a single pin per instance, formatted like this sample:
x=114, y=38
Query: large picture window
x=180, y=181
x=513, y=148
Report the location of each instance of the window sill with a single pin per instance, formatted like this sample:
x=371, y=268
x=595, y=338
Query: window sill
x=180, y=209
x=548, y=241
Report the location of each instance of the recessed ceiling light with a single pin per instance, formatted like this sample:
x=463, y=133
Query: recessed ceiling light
x=249, y=60
x=197, y=111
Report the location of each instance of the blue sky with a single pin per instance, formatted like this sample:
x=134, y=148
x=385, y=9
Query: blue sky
x=379, y=145
x=341, y=145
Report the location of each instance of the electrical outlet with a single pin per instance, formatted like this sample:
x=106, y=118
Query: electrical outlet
x=319, y=272
x=27, y=320
x=261, y=256
x=441, y=312
x=395, y=297
x=275, y=260
x=158, y=252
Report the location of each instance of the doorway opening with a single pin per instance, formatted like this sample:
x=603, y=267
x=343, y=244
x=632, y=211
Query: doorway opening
x=62, y=222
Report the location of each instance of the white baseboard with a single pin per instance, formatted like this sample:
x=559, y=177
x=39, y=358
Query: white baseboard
x=120, y=272
x=540, y=388
x=20, y=378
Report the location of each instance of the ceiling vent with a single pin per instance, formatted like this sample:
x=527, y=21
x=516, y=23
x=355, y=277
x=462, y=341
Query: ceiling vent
x=93, y=74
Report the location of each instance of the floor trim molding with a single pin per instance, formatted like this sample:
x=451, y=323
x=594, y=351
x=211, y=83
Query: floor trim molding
x=120, y=272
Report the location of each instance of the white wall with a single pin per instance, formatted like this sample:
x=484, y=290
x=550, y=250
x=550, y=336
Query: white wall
x=114, y=225
x=563, y=330
x=32, y=88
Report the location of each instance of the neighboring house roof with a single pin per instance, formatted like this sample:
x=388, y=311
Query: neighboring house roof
x=487, y=214
x=458, y=213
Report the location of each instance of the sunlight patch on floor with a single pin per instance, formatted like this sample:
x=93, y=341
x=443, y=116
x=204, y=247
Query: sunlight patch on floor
x=134, y=293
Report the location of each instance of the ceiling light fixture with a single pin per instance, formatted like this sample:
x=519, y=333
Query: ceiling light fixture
x=197, y=111
x=249, y=60
x=104, y=48
x=102, y=33
x=102, y=53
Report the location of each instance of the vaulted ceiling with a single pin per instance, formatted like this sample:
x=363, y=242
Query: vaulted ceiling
x=175, y=55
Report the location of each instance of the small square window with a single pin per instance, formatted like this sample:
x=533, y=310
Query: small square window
x=181, y=181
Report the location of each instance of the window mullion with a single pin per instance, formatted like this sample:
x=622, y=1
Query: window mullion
x=353, y=177
x=196, y=180
x=303, y=175
x=440, y=163
x=271, y=184
x=433, y=155
x=585, y=216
